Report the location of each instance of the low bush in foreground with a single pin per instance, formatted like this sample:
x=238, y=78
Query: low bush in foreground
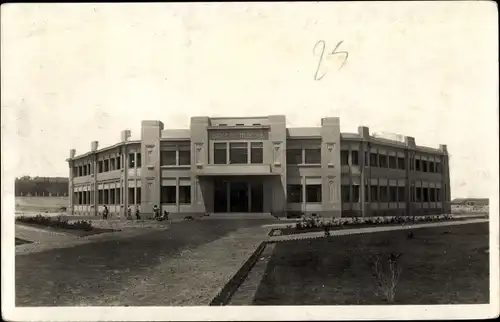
x=56, y=222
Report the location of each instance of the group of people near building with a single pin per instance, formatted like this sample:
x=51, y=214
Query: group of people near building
x=156, y=212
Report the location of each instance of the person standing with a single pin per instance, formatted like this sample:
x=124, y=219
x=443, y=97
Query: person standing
x=129, y=212
x=156, y=212
x=137, y=213
x=105, y=213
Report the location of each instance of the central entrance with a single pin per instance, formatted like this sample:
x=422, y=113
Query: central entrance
x=238, y=196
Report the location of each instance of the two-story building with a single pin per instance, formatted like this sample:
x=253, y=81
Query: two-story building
x=258, y=165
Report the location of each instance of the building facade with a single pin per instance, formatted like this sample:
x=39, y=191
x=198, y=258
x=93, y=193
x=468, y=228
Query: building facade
x=258, y=165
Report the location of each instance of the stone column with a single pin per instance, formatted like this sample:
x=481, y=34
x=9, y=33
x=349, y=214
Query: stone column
x=94, y=146
x=330, y=166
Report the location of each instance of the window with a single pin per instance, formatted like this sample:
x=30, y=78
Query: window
x=366, y=193
x=374, y=159
x=355, y=193
x=412, y=194
x=184, y=194
x=313, y=193
x=106, y=196
x=438, y=167
x=374, y=193
x=106, y=165
x=431, y=166
x=118, y=163
x=417, y=165
x=344, y=157
x=354, y=157
x=419, y=194
x=384, y=196
x=312, y=156
x=382, y=160
x=168, y=158
x=432, y=195
x=401, y=163
x=393, y=194
x=238, y=153
x=412, y=164
x=112, y=164
x=111, y=196
x=118, y=198
x=131, y=196
x=294, y=192
x=345, y=193
x=220, y=153
x=438, y=194
x=89, y=168
x=100, y=197
x=426, y=194
x=424, y=166
x=168, y=194
x=131, y=160
x=392, y=162
x=256, y=153
x=294, y=156
x=138, y=195
x=185, y=157
x=138, y=160
x=367, y=159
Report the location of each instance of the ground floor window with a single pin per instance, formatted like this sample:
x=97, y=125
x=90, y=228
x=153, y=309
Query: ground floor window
x=168, y=194
x=131, y=196
x=313, y=193
x=401, y=194
x=393, y=194
x=185, y=195
x=355, y=193
x=345, y=193
x=294, y=192
x=138, y=195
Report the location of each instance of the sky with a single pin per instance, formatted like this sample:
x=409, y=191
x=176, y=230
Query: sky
x=75, y=73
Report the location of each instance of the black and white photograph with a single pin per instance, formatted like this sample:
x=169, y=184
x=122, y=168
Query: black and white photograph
x=250, y=161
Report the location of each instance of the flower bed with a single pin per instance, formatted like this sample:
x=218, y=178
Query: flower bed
x=317, y=224
x=56, y=222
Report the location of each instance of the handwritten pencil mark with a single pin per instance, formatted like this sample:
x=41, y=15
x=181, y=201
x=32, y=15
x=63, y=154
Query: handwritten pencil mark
x=335, y=51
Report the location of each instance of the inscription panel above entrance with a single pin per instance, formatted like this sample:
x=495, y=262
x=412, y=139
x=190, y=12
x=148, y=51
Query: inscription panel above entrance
x=250, y=134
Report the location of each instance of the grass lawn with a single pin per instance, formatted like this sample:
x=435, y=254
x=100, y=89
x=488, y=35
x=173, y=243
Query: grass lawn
x=440, y=265
x=20, y=241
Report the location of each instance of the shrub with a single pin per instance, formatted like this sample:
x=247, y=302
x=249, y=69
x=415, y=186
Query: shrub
x=386, y=271
x=189, y=218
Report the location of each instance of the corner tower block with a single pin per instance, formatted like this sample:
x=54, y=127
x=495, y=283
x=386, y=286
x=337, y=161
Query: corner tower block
x=150, y=165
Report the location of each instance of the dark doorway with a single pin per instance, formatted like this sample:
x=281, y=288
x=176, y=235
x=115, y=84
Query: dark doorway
x=239, y=197
x=220, y=196
x=257, y=197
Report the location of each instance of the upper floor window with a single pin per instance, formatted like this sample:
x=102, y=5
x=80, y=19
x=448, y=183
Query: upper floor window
x=100, y=166
x=313, y=193
x=382, y=160
x=294, y=156
x=238, y=153
x=424, y=166
x=185, y=156
x=354, y=157
x=256, y=152
x=401, y=163
x=118, y=163
x=168, y=158
x=392, y=162
x=417, y=166
x=431, y=166
x=220, y=153
x=131, y=160
x=106, y=165
x=138, y=160
x=344, y=157
x=373, y=160
x=312, y=156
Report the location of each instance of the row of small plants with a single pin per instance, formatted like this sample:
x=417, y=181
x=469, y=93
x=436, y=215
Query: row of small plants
x=56, y=222
x=318, y=222
x=314, y=223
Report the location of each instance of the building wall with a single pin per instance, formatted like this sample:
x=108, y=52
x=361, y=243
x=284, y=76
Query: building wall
x=345, y=173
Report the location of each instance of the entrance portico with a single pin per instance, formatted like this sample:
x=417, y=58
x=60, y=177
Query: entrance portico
x=237, y=193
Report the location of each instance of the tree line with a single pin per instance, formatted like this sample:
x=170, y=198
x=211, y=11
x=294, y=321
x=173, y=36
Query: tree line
x=41, y=186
